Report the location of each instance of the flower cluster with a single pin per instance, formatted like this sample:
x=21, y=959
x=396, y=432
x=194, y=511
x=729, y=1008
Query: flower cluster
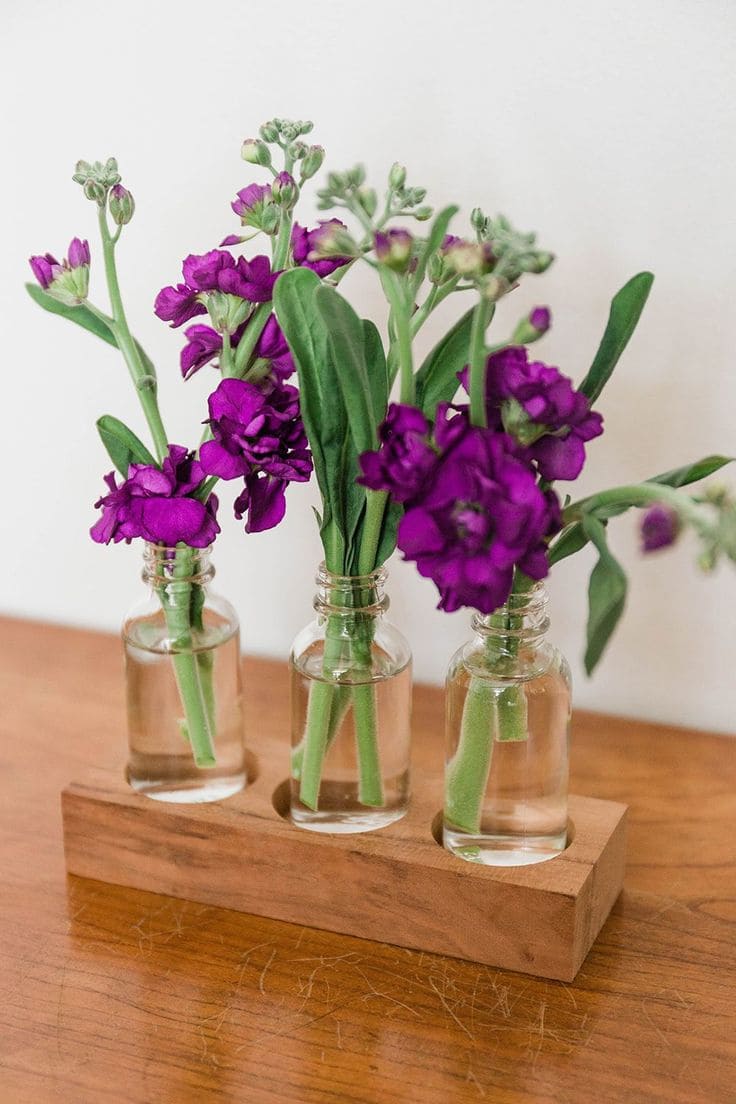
x=242, y=281
x=473, y=508
x=257, y=435
x=158, y=504
x=66, y=280
x=475, y=498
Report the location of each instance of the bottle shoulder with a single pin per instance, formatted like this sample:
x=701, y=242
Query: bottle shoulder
x=477, y=658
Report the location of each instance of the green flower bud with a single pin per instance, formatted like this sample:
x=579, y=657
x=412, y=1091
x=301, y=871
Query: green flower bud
x=270, y=218
x=97, y=179
x=397, y=176
x=423, y=213
x=478, y=220
x=297, y=150
x=493, y=288
x=306, y=126
x=226, y=312
x=95, y=191
x=436, y=269
x=535, y=262
x=356, y=176
x=336, y=182
x=416, y=195
x=285, y=191
x=122, y=205
x=269, y=132
x=368, y=200
x=312, y=161
x=255, y=152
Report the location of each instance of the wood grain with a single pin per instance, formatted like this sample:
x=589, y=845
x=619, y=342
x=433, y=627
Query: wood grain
x=111, y=994
x=397, y=886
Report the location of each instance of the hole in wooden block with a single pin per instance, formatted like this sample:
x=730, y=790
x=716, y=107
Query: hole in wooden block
x=281, y=799
x=437, y=831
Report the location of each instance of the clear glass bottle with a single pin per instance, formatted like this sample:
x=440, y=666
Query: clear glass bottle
x=183, y=683
x=350, y=710
x=508, y=705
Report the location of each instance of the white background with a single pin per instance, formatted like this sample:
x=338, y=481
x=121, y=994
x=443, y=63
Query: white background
x=607, y=128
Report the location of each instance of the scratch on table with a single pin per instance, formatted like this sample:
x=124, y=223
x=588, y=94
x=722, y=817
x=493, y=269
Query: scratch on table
x=656, y=1026
x=264, y=971
x=471, y=1077
x=450, y=1011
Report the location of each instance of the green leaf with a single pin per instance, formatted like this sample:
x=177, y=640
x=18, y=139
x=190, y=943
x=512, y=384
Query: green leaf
x=83, y=316
x=606, y=594
x=436, y=380
x=375, y=361
x=122, y=445
x=323, y=413
x=691, y=473
x=434, y=241
x=387, y=541
x=345, y=338
x=570, y=541
x=626, y=308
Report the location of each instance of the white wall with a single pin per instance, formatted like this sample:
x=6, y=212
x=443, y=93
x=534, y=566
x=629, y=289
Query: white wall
x=604, y=127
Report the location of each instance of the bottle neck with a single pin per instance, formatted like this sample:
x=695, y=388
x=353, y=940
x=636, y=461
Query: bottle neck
x=163, y=565
x=520, y=623
x=344, y=594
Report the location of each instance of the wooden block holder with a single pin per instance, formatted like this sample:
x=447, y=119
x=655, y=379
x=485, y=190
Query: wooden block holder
x=395, y=885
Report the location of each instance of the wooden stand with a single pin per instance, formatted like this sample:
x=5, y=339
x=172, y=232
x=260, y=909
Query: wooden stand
x=396, y=885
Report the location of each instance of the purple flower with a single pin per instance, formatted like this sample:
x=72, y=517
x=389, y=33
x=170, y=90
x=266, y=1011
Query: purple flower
x=660, y=527
x=480, y=516
x=256, y=430
x=205, y=344
x=314, y=248
x=157, y=504
x=263, y=499
x=541, y=409
x=178, y=304
x=405, y=457
x=248, y=199
x=78, y=254
x=215, y=271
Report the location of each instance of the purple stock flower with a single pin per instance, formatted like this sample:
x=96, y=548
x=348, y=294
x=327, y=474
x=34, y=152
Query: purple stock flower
x=313, y=248
x=394, y=248
x=216, y=270
x=541, y=409
x=205, y=344
x=480, y=516
x=405, y=456
x=258, y=435
x=157, y=504
x=78, y=254
x=249, y=198
x=660, y=527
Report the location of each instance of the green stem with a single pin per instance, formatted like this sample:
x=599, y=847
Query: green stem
x=634, y=494
x=317, y=724
x=370, y=790
x=145, y=383
x=338, y=711
x=248, y=341
x=482, y=316
x=375, y=508
x=468, y=770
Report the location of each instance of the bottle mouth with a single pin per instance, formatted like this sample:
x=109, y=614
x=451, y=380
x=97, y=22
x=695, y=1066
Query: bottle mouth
x=180, y=563
x=350, y=594
x=522, y=616
x=327, y=578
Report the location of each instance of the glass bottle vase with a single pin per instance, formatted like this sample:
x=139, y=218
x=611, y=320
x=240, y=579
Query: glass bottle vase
x=508, y=703
x=183, y=683
x=351, y=710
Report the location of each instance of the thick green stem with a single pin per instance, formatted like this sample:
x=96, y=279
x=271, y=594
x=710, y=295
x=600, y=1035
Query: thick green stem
x=370, y=789
x=634, y=494
x=319, y=708
x=375, y=508
x=467, y=773
x=338, y=711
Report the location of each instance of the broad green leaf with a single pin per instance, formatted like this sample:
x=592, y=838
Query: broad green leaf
x=436, y=380
x=606, y=594
x=345, y=337
x=323, y=413
x=434, y=241
x=84, y=317
x=626, y=308
x=123, y=447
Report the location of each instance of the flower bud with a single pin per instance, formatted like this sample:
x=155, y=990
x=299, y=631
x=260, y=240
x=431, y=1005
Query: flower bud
x=269, y=132
x=394, y=248
x=95, y=191
x=423, y=213
x=255, y=152
x=534, y=326
x=312, y=161
x=297, y=150
x=368, y=200
x=472, y=259
x=397, y=176
x=356, y=175
x=122, y=205
x=227, y=312
x=536, y=262
x=659, y=528
x=494, y=288
x=285, y=191
x=478, y=220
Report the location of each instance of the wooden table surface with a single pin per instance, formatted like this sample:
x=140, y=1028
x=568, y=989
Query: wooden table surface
x=108, y=994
